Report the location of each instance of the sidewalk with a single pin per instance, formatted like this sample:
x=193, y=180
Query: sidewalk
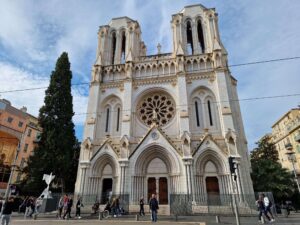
x=47, y=219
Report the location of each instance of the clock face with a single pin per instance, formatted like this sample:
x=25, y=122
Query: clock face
x=155, y=135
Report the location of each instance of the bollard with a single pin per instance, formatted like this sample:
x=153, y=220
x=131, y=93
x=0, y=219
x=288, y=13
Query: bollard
x=176, y=217
x=100, y=215
x=137, y=217
x=217, y=219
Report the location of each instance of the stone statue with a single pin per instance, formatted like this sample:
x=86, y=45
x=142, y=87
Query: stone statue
x=154, y=115
x=48, y=179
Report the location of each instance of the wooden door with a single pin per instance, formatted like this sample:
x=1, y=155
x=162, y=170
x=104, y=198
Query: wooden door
x=212, y=189
x=163, y=190
x=151, y=186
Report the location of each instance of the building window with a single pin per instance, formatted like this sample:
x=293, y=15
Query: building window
x=197, y=114
x=29, y=133
x=189, y=38
x=107, y=120
x=123, y=47
x=113, y=47
x=25, y=147
x=20, y=124
x=10, y=119
x=22, y=163
x=200, y=36
x=209, y=113
x=118, y=119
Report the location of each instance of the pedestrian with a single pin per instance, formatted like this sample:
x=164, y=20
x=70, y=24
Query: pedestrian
x=78, y=207
x=69, y=208
x=153, y=206
x=65, y=207
x=1, y=203
x=7, y=210
x=113, y=207
x=268, y=205
x=38, y=204
x=27, y=207
x=60, y=206
x=142, y=212
x=32, y=207
x=261, y=209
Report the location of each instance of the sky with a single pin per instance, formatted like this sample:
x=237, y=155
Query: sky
x=33, y=34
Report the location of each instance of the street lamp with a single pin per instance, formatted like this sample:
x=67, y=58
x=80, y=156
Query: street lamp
x=291, y=157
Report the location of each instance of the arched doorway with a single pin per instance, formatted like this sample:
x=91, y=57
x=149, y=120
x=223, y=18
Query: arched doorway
x=158, y=180
x=107, y=184
x=212, y=184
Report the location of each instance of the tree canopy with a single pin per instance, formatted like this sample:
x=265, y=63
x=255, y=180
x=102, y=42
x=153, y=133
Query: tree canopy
x=58, y=149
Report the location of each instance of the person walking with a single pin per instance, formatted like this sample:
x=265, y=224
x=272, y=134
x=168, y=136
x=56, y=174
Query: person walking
x=142, y=211
x=60, y=206
x=38, y=204
x=69, y=208
x=153, y=205
x=268, y=205
x=78, y=207
x=261, y=209
x=27, y=207
x=114, y=207
x=7, y=210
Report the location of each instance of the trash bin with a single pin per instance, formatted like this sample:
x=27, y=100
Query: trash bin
x=284, y=212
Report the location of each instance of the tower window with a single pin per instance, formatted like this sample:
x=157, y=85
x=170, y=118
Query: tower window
x=107, y=120
x=113, y=47
x=209, y=113
x=189, y=38
x=123, y=47
x=118, y=119
x=197, y=114
x=200, y=36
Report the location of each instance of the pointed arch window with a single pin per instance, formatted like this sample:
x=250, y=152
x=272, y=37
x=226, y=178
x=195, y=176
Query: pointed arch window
x=200, y=36
x=197, y=114
x=107, y=120
x=209, y=113
x=118, y=119
x=113, y=47
x=189, y=38
x=123, y=47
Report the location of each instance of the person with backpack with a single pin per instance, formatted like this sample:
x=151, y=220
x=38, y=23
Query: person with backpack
x=261, y=209
x=268, y=205
x=6, y=211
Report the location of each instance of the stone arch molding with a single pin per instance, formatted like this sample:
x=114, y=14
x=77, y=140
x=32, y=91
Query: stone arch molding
x=209, y=151
x=146, y=154
x=104, y=157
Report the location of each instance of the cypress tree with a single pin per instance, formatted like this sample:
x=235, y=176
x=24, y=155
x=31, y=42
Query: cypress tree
x=58, y=149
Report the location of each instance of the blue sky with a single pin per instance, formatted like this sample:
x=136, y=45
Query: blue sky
x=34, y=33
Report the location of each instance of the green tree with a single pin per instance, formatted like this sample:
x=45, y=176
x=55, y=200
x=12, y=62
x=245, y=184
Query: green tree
x=268, y=174
x=265, y=150
x=58, y=149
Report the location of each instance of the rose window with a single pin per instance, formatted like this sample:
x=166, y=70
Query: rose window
x=159, y=107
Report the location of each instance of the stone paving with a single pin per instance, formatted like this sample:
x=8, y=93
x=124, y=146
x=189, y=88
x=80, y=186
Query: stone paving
x=294, y=219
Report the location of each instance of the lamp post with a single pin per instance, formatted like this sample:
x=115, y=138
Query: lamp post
x=291, y=156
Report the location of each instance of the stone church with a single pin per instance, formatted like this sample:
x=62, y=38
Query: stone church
x=164, y=123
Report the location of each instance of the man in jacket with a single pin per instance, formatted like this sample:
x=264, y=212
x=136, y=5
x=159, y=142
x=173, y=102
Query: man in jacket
x=7, y=210
x=153, y=205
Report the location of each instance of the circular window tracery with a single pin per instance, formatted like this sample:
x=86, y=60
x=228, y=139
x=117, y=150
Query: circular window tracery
x=160, y=103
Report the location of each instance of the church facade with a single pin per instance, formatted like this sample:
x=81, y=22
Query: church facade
x=164, y=123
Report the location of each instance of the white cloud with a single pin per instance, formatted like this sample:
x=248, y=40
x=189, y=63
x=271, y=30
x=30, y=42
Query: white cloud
x=13, y=78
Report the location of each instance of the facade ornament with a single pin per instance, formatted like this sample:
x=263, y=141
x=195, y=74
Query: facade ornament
x=158, y=48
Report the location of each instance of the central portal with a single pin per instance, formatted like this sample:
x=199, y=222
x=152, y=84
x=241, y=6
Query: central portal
x=157, y=180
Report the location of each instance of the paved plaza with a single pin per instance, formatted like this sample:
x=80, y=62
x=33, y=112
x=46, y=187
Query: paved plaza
x=293, y=219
